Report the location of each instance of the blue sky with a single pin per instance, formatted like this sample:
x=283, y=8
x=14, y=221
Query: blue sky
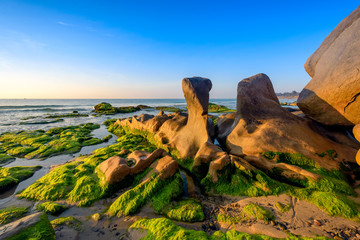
x=142, y=49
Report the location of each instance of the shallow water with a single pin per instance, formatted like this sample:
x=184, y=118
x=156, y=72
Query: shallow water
x=48, y=162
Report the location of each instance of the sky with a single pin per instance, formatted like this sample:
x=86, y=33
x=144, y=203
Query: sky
x=143, y=49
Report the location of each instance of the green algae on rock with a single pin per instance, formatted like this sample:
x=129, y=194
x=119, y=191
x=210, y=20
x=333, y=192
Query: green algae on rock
x=55, y=141
x=132, y=200
x=78, y=181
x=108, y=109
x=42, y=230
x=52, y=208
x=67, y=221
x=4, y=159
x=11, y=176
x=165, y=229
x=68, y=115
x=215, y=108
x=11, y=213
x=187, y=211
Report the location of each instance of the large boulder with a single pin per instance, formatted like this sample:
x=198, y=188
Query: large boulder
x=332, y=96
x=196, y=131
x=261, y=125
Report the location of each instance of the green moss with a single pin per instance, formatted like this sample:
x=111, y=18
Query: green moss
x=162, y=228
x=169, y=109
x=52, y=208
x=40, y=144
x=283, y=208
x=108, y=109
x=11, y=213
x=186, y=163
x=78, y=181
x=169, y=192
x=20, y=151
x=238, y=182
x=215, y=108
x=186, y=211
x=332, y=203
x=258, y=212
x=235, y=235
x=107, y=138
x=67, y=221
x=11, y=176
x=42, y=230
x=92, y=141
x=4, y=158
x=291, y=158
x=132, y=200
x=228, y=218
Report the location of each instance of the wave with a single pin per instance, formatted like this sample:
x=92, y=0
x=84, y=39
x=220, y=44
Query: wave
x=48, y=109
x=30, y=106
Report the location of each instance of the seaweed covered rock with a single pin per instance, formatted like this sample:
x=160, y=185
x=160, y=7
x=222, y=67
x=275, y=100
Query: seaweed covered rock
x=35, y=226
x=332, y=96
x=108, y=109
x=262, y=125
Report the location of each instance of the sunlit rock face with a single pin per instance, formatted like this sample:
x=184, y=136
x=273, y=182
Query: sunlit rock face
x=261, y=125
x=332, y=97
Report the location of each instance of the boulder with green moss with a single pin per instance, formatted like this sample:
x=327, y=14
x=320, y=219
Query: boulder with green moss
x=55, y=141
x=11, y=176
x=34, y=227
x=51, y=208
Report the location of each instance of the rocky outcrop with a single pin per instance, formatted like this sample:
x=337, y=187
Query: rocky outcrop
x=20, y=225
x=332, y=97
x=116, y=168
x=261, y=125
x=189, y=139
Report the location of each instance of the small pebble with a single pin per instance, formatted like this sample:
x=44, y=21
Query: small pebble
x=317, y=223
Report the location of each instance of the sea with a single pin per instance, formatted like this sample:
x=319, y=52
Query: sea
x=28, y=114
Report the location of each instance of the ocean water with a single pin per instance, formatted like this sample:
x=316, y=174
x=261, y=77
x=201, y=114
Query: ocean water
x=12, y=111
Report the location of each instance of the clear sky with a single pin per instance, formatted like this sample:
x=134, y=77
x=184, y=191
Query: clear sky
x=142, y=49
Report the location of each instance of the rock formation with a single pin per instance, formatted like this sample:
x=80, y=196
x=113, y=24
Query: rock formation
x=116, y=168
x=356, y=132
x=261, y=125
x=189, y=139
x=332, y=96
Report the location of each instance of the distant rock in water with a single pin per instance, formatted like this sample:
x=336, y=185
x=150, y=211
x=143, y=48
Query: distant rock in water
x=262, y=125
x=293, y=94
x=332, y=96
x=108, y=109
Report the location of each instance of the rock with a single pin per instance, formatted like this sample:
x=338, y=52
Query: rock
x=356, y=132
x=166, y=167
x=195, y=133
x=207, y=153
x=116, y=168
x=332, y=96
x=262, y=125
x=20, y=225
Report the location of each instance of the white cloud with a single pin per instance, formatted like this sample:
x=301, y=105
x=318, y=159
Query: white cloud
x=64, y=23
